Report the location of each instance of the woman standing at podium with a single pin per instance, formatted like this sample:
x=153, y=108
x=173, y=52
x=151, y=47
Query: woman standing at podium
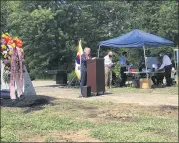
x=84, y=58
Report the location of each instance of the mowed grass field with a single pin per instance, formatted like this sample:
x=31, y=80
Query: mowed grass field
x=173, y=90
x=62, y=120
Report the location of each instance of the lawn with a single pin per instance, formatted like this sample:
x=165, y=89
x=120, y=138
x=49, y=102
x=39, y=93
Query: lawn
x=72, y=120
x=173, y=90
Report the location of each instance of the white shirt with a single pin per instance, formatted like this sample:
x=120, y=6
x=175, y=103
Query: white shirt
x=166, y=62
x=107, y=61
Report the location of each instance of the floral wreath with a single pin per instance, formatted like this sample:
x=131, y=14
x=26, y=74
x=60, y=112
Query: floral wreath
x=7, y=45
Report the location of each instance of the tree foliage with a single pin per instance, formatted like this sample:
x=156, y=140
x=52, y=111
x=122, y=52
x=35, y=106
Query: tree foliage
x=50, y=29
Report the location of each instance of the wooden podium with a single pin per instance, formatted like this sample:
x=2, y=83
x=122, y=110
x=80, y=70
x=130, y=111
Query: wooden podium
x=95, y=75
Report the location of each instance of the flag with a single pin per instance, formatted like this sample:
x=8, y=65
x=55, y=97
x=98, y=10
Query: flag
x=78, y=60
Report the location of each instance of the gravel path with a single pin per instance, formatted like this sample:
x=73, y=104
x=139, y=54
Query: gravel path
x=49, y=88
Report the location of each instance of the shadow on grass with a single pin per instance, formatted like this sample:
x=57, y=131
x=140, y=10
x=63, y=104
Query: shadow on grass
x=158, y=86
x=30, y=103
x=60, y=86
x=100, y=94
x=168, y=107
x=107, y=93
x=56, y=85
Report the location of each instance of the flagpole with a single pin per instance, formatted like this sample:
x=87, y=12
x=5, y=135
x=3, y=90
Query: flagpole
x=79, y=43
x=80, y=57
x=145, y=62
x=98, y=51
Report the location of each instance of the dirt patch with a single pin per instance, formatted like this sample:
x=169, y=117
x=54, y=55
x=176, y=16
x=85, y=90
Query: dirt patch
x=117, y=112
x=73, y=136
x=166, y=133
x=168, y=107
x=80, y=136
x=161, y=111
x=93, y=115
x=83, y=107
x=117, y=115
x=130, y=112
x=35, y=138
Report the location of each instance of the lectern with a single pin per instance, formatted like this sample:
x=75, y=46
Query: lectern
x=95, y=75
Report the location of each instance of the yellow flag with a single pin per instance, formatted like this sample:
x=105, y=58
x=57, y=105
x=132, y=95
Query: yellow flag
x=78, y=60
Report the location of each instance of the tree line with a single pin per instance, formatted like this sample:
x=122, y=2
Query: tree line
x=50, y=29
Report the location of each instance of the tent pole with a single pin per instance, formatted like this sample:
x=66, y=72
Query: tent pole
x=145, y=61
x=174, y=58
x=98, y=51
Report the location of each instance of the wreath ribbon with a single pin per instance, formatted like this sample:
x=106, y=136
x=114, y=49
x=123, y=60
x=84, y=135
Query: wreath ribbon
x=16, y=78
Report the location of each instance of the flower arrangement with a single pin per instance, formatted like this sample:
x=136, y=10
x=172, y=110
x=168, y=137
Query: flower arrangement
x=8, y=45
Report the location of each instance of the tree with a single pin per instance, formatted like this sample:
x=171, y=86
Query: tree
x=50, y=29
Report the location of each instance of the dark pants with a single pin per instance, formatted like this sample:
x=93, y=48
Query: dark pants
x=83, y=81
x=168, y=70
x=123, y=76
x=158, y=79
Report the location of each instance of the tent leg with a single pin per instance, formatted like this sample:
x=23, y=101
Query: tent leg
x=98, y=51
x=175, y=58
x=145, y=61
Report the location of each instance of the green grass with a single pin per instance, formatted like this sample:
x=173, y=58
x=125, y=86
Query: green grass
x=167, y=90
x=69, y=115
x=51, y=139
x=125, y=90
x=15, y=121
x=148, y=129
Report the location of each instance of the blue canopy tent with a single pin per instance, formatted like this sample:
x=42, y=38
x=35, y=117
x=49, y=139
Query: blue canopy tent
x=136, y=38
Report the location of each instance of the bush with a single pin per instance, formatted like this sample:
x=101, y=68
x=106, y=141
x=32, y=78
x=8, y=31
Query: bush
x=72, y=76
x=116, y=70
x=32, y=76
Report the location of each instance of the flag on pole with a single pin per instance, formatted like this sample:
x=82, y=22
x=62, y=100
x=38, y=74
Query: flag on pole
x=78, y=60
